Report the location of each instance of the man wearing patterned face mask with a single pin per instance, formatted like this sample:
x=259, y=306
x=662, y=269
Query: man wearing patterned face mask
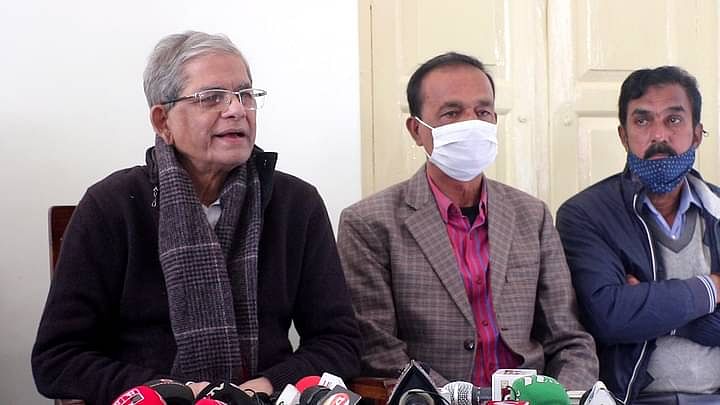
x=454, y=269
x=643, y=249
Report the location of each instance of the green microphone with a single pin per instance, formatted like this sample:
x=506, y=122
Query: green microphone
x=539, y=390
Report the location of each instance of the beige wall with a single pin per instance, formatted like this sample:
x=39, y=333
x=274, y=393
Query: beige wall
x=558, y=65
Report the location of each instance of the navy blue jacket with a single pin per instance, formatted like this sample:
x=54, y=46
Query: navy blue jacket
x=605, y=239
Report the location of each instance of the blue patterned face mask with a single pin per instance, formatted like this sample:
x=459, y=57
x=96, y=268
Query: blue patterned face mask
x=661, y=176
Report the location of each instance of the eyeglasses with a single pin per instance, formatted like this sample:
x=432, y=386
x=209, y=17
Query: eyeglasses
x=220, y=99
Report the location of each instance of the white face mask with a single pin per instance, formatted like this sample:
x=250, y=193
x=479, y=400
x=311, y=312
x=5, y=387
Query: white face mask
x=463, y=150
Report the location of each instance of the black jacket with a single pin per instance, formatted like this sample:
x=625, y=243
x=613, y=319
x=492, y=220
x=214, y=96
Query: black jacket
x=106, y=327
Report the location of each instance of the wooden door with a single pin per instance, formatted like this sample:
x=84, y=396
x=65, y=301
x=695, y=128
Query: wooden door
x=558, y=65
x=398, y=35
x=593, y=45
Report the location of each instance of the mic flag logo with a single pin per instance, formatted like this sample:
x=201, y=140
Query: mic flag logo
x=340, y=398
x=133, y=396
x=140, y=395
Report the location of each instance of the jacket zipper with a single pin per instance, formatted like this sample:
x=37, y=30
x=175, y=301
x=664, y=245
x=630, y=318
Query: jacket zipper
x=652, y=256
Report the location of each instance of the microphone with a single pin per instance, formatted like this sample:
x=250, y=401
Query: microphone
x=228, y=393
x=307, y=382
x=539, y=390
x=331, y=380
x=313, y=395
x=173, y=392
x=502, y=380
x=414, y=387
x=464, y=393
x=288, y=396
x=340, y=395
x=598, y=395
x=321, y=395
x=140, y=395
x=291, y=394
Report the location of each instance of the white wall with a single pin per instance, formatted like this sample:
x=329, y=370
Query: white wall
x=72, y=111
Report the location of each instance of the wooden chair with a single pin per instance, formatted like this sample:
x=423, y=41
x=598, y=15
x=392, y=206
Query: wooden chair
x=58, y=218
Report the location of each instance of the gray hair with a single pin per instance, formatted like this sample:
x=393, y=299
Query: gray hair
x=164, y=78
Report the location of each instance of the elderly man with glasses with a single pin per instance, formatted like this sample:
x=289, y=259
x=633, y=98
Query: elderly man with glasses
x=193, y=266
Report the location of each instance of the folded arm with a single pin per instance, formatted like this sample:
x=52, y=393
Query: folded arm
x=615, y=311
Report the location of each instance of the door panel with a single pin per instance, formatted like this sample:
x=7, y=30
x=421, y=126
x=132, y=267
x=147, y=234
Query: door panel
x=557, y=65
x=594, y=45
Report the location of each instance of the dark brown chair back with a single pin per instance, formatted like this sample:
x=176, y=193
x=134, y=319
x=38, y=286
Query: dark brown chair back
x=373, y=390
x=58, y=218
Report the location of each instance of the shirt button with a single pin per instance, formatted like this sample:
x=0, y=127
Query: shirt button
x=485, y=323
x=469, y=344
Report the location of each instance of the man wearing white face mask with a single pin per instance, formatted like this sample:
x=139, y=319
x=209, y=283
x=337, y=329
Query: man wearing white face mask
x=456, y=270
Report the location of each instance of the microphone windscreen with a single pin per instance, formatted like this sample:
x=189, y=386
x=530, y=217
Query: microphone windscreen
x=416, y=397
x=313, y=395
x=414, y=385
x=341, y=396
x=458, y=392
x=140, y=395
x=305, y=382
x=173, y=392
x=539, y=390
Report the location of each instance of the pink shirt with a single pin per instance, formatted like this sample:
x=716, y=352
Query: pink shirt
x=472, y=252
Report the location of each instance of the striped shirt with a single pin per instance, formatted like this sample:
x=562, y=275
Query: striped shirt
x=471, y=248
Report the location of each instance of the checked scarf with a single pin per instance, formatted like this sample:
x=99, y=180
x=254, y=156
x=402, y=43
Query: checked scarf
x=210, y=276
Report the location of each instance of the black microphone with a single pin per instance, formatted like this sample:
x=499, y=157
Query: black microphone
x=340, y=395
x=230, y=394
x=414, y=387
x=313, y=395
x=322, y=395
x=417, y=397
x=173, y=392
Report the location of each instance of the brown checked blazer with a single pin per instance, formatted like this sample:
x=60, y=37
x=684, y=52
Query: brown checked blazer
x=410, y=299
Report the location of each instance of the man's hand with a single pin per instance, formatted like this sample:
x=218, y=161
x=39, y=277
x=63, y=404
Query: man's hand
x=632, y=280
x=260, y=384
